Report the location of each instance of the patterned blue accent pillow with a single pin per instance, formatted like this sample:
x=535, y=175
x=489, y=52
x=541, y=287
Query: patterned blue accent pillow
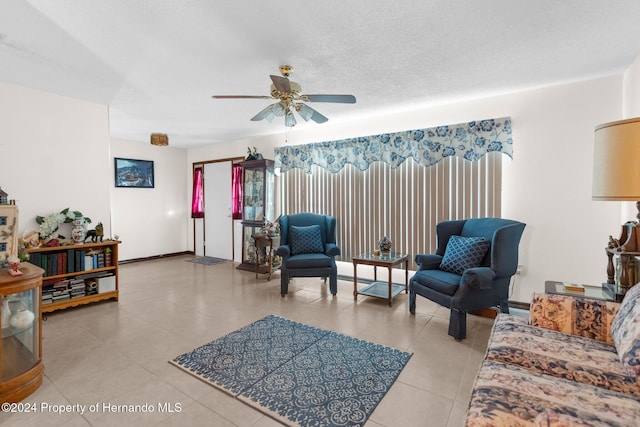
x=306, y=240
x=464, y=252
x=625, y=331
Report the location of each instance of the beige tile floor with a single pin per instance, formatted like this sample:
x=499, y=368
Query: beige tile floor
x=112, y=354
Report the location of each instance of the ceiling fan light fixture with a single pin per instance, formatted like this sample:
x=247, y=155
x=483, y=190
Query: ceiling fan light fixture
x=289, y=119
x=279, y=109
x=267, y=114
x=305, y=111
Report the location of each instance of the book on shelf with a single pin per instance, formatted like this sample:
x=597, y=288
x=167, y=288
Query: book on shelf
x=94, y=275
x=68, y=261
x=573, y=287
x=108, y=259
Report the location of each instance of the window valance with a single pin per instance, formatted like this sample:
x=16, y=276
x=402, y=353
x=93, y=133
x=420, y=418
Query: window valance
x=470, y=140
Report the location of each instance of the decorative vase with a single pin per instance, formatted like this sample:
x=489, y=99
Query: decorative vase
x=77, y=231
x=6, y=313
x=22, y=319
x=385, y=245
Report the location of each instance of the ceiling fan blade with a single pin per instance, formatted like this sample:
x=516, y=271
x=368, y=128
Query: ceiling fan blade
x=262, y=114
x=281, y=83
x=318, y=118
x=240, y=97
x=341, y=99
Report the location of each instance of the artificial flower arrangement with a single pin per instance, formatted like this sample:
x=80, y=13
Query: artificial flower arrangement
x=50, y=224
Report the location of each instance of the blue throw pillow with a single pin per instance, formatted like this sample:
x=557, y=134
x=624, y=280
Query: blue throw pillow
x=305, y=240
x=464, y=252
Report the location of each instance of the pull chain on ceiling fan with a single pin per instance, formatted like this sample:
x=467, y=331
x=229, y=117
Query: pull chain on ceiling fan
x=290, y=97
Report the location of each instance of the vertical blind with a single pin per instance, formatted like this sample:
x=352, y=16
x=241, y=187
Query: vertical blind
x=404, y=203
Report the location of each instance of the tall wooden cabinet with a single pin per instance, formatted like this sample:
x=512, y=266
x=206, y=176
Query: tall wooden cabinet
x=21, y=368
x=258, y=198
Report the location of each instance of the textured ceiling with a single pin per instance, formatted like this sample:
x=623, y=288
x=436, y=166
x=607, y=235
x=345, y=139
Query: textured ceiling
x=156, y=63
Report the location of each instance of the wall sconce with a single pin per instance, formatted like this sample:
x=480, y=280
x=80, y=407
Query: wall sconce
x=160, y=139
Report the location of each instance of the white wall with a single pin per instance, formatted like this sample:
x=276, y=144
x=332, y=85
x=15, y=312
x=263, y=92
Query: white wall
x=631, y=90
x=630, y=109
x=547, y=185
x=54, y=154
x=152, y=221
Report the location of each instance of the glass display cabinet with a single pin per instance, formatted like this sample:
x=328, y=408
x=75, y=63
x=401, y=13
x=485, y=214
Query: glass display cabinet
x=258, y=205
x=21, y=368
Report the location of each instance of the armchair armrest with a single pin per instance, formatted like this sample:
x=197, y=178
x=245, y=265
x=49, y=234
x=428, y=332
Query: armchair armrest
x=581, y=316
x=478, y=277
x=428, y=262
x=284, y=251
x=331, y=249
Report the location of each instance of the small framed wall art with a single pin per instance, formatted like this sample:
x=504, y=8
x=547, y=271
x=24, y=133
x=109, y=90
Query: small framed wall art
x=133, y=173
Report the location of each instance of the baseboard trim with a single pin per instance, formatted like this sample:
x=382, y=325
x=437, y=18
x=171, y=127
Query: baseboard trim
x=129, y=261
x=519, y=305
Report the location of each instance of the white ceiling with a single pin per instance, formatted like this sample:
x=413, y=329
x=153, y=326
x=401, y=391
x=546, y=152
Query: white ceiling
x=156, y=63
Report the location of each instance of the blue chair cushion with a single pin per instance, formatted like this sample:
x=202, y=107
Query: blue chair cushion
x=309, y=261
x=306, y=240
x=438, y=280
x=464, y=252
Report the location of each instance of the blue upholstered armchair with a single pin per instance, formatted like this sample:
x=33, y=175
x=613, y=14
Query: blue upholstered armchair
x=471, y=269
x=308, y=247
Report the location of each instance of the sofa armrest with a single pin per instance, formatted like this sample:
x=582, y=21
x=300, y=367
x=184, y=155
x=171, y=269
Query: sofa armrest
x=428, y=261
x=581, y=316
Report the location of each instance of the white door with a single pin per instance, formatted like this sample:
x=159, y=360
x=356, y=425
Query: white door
x=218, y=221
x=199, y=236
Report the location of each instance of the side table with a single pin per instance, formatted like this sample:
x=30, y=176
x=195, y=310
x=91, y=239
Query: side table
x=595, y=292
x=386, y=290
x=266, y=244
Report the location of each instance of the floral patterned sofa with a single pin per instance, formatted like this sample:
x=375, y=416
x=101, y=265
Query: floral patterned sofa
x=575, y=363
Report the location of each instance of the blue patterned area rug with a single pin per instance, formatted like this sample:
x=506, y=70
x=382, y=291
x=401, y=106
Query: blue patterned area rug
x=207, y=260
x=298, y=374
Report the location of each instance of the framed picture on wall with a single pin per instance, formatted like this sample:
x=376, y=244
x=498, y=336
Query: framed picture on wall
x=133, y=173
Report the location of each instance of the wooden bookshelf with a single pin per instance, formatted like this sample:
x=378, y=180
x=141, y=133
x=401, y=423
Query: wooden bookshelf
x=72, y=278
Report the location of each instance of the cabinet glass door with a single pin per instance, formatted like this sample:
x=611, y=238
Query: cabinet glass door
x=269, y=194
x=249, y=247
x=253, y=195
x=20, y=334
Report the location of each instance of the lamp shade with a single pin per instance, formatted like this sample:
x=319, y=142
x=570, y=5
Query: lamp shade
x=616, y=161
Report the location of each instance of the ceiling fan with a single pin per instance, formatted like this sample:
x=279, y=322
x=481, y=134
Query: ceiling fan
x=290, y=97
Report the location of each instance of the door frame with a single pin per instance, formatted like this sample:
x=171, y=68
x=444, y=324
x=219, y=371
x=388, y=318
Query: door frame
x=201, y=164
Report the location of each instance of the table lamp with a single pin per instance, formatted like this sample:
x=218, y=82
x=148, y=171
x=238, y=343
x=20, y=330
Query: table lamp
x=616, y=177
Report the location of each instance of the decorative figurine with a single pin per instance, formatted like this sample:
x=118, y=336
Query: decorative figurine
x=253, y=154
x=385, y=245
x=96, y=234
x=15, y=264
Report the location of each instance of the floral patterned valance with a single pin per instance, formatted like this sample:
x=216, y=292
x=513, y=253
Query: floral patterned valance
x=470, y=140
